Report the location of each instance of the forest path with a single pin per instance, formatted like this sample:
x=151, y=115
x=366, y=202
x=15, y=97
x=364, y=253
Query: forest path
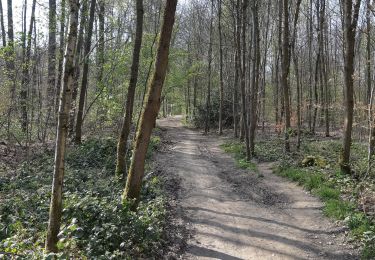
x=237, y=214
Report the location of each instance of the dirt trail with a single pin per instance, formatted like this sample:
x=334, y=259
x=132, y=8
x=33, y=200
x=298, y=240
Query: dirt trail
x=235, y=214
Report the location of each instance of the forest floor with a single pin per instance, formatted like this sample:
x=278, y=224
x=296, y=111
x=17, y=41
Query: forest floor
x=232, y=213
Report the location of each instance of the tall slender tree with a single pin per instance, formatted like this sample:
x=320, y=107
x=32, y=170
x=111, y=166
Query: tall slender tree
x=51, y=62
x=209, y=70
x=285, y=64
x=221, y=68
x=151, y=107
x=2, y=27
x=350, y=13
x=127, y=120
x=86, y=56
x=62, y=130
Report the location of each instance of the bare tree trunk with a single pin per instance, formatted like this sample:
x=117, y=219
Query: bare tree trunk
x=2, y=27
x=51, y=63
x=243, y=73
x=127, y=120
x=235, y=95
x=60, y=55
x=77, y=65
x=208, y=98
x=82, y=94
x=25, y=71
x=296, y=68
x=255, y=85
x=370, y=93
x=350, y=26
x=62, y=131
x=151, y=108
x=10, y=64
x=101, y=58
x=221, y=71
x=285, y=72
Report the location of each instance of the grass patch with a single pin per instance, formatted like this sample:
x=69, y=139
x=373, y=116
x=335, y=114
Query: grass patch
x=337, y=209
x=326, y=193
x=237, y=149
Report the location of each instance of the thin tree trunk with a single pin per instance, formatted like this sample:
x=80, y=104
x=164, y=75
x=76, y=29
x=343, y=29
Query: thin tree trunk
x=2, y=27
x=77, y=65
x=350, y=26
x=62, y=131
x=221, y=71
x=255, y=85
x=127, y=120
x=10, y=65
x=243, y=75
x=296, y=68
x=60, y=56
x=208, y=98
x=151, y=108
x=285, y=72
x=25, y=71
x=51, y=62
x=82, y=94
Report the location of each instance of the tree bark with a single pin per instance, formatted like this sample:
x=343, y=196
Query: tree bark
x=221, y=70
x=285, y=59
x=127, y=119
x=151, y=108
x=25, y=71
x=255, y=83
x=77, y=65
x=243, y=75
x=208, y=98
x=350, y=26
x=2, y=27
x=62, y=130
x=82, y=94
x=51, y=62
x=60, y=56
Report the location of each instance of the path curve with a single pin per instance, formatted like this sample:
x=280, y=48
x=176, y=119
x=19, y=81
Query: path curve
x=236, y=214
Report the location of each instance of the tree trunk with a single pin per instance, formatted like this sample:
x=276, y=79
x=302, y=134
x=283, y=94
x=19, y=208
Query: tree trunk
x=255, y=85
x=127, y=120
x=370, y=93
x=285, y=72
x=2, y=27
x=51, y=63
x=77, y=65
x=151, y=108
x=60, y=56
x=10, y=56
x=62, y=130
x=82, y=94
x=296, y=69
x=243, y=74
x=350, y=26
x=221, y=71
x=25, y=71
x=208, y=98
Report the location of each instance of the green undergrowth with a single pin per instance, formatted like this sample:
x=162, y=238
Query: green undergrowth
x=340, y=193
x=95, y=225
x=315, y=168
x=237, y=149
x=335, y=207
